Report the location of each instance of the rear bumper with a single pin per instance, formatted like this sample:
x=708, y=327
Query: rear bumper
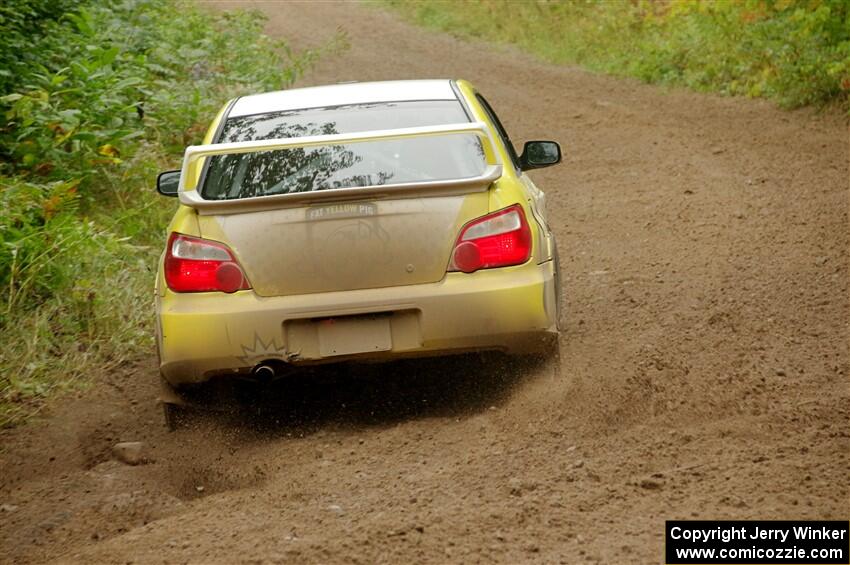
x=207, y=334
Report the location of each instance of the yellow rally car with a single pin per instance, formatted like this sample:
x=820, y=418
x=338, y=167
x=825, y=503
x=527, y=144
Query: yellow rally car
x=351, y=222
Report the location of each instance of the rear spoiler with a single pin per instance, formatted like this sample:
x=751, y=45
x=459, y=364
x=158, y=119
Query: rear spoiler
x=191, y=197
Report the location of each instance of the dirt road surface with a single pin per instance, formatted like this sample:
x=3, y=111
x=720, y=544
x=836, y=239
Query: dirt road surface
x=705, y=247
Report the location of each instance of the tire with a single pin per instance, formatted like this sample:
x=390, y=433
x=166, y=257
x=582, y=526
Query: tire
x=175, y=410
x=175, y=415
x=559, y=290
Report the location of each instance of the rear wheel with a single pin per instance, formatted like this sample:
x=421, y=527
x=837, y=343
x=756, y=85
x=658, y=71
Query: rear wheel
x=175, y=415
x=174, y=408
x=559, y=290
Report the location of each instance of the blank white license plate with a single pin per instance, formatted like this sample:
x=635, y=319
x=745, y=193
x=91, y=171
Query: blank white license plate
x=350, y=335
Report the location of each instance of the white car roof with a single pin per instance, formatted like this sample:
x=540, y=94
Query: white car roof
x=343, y=94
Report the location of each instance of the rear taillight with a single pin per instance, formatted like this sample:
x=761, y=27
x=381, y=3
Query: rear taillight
x=499, y=239
x=193, y=264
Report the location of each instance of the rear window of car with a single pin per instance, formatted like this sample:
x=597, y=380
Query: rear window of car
x=368, y=163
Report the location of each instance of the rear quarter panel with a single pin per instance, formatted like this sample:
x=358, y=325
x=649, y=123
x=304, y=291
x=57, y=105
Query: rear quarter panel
x=185, y=219
x=514, y=186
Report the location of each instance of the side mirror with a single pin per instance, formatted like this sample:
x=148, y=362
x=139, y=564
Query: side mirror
x=167, y=183
x=539, y=154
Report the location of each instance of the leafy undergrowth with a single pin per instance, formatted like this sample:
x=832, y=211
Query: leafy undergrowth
x=97, y=98
x=796, y=52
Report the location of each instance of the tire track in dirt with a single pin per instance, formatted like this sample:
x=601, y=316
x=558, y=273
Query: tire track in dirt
x=704, y=248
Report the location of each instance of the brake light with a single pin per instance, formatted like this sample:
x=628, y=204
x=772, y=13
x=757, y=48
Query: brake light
x=193, y=264
x=499, y=239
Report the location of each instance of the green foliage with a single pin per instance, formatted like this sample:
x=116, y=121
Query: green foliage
x=127, y=71
x=796, y=52
x=107, y=95
x=20, y=22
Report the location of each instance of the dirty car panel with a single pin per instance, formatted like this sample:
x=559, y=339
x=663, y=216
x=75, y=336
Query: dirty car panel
x=360, y=230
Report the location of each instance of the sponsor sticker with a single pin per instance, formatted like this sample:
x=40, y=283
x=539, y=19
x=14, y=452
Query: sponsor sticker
x=342, y=210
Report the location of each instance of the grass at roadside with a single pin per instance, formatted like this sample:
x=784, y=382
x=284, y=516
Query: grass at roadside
x=796, y=52
x=97, y=98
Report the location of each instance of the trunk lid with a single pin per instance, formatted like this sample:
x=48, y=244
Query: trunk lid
x=348, y=231
x=346, y=245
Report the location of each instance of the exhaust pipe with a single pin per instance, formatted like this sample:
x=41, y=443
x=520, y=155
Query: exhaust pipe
x=263, y=371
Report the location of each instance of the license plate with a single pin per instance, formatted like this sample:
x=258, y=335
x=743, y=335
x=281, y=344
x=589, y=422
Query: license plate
x=350, y=335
